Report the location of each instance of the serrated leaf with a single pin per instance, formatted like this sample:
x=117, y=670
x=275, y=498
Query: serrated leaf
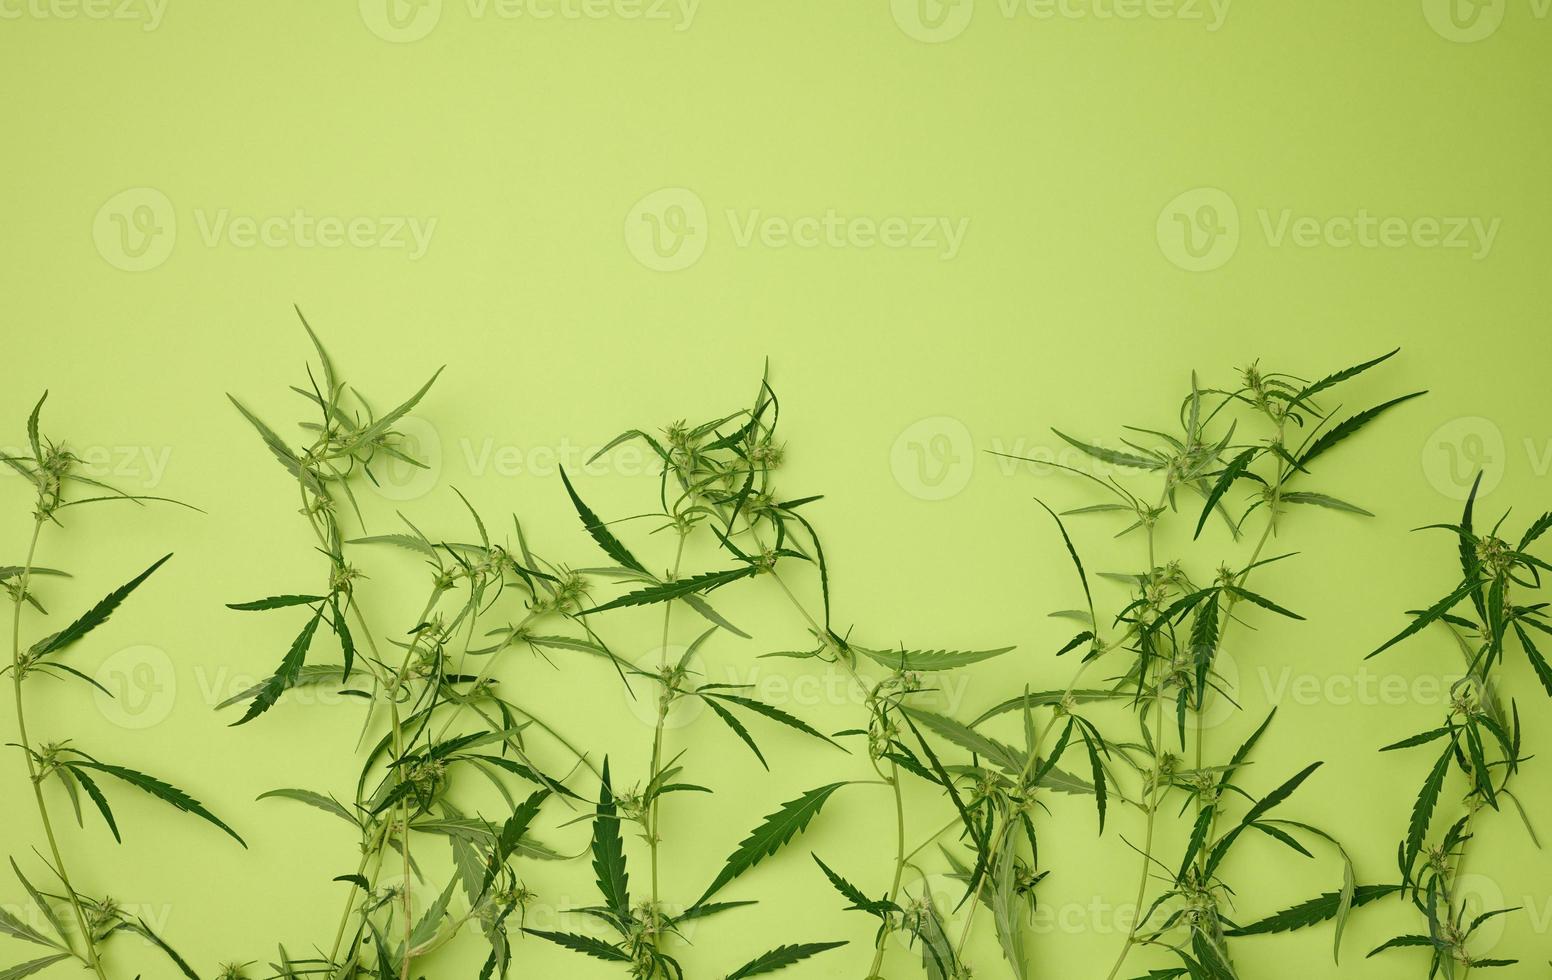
x=967, y=738
x=309, y=675
x=381, y=426
x=276, y=602
x=1349, y=426
x=850, y=892
x=600, y=531
x=139, y=928
x=95, y=616
x=731, y=720
x=286, y=674
x=928, y=660
x=1321, y=500
x=609, y=852
x=1111, y=456
x=773, y=713
x=1263, y=602
x=11, y=926
x=42, y=902
x=1231, y=472
x=1427, y=799
x=779, y=958
x=596, y=948
x=33, y=966
x=1262, y=806
x=159, y=789
x=327, y=804
x=1422, y=738
x=771, y=835
x=512, y=833
x=1337, y=377
x=1429, y=615
x=667, y=591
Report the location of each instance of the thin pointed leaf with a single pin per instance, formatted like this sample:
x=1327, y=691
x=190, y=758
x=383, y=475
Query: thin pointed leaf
x=773, y=832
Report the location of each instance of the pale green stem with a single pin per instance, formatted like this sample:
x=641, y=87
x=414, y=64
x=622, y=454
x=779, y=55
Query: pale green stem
x=23, y=582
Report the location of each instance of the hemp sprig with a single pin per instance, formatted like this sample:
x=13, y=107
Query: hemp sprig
x=1482, y=742
x=1172, y=628
x=716, y=478
x=485, y=599
x=79, y=925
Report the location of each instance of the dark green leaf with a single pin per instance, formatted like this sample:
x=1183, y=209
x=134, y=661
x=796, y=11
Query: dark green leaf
x=773, y=832
x=162, y=791
x=1231, y=472
x=276, y=602
x=1349, y=426
x=609, y=852
x=596, y=948
x=95, y=616
x=600, y=532
x=286, y=674
x=928, y=660
x=667, y=591
x=1316, y=910
x=781, y=956
x=1112, y=456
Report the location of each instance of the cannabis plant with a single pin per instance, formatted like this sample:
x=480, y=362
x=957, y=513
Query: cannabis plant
x=720, y=474
x=1168, y=635
x=1481, y=742
x=455, y=783
x=431, y=693
x=79, y=923
x=715, y=481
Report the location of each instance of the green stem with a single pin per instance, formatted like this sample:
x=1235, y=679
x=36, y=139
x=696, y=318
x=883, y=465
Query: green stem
x=665, y=701
x=900, y=859
x=367, y=849
x=1147, y=850
x=22, y=584
x=1157, y=778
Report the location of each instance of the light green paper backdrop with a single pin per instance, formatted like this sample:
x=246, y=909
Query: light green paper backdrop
x=620, y=216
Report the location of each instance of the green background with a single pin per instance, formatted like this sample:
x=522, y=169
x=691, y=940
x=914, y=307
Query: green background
x=1060, y=144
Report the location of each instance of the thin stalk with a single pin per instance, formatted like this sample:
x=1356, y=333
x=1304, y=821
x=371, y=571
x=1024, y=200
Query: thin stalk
x=23, y=582
x=481, y=678
x=1029, y=764
x=893, y=779
x=1228, y=619
x=654, y=813
x=1273, y=506
x=931, y=839
x=1153, y=791
x=367, y=850
x=1147, y=850
x=900, y=858
x=397, y=741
